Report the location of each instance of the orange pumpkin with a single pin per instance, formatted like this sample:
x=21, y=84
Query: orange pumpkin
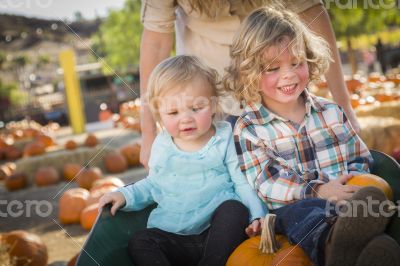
x=364, y=180
x=131, y=154
x=33, y=149
x=31, y=132
x=86, y=178
x=46, y=176
x=25, y=248
x=12, y=153
x=72, y=202
x=71, y=170
x=71, y=145
x=105, y=182
x=353, y=84
x=114, y=162
x=89, y=215
x=91, y=141
x=15, y=181
x=249, y=254
x=47, y=141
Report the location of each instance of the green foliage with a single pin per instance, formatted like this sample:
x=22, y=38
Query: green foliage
x=20, y=61
x=118, y=39
x=11, y=93
x=353, y=18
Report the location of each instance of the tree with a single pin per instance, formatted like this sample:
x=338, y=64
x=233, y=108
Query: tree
x=118, y=39
x=352, y=18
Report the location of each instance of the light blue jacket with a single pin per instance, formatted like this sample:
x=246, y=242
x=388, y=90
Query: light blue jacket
x=189, y=186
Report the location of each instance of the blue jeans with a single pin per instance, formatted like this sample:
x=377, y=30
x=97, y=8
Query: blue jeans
x=306, y=223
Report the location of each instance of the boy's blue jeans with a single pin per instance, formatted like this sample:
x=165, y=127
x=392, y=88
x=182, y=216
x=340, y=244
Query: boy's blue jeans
x=306, y=223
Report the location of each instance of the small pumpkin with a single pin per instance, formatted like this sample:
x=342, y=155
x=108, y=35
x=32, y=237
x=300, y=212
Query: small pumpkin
x=364, y=180
x=131, y=154
x=12, y=153
x=25, y=248
x=114, y=162
x=46, y=176
x=15, y=181
x=34, y=149
x=249, y=254
x=47, y=141
x=89, y=215
x=86, y=178
x=71, y=171
x=91, y=141
x=71, y=145
x=72, y=202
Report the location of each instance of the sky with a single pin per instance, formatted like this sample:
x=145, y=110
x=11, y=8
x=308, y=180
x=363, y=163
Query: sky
x=59, y=9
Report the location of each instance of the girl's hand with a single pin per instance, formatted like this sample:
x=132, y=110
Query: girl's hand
x=337, y=190
x=254, y=228
x=116, y=198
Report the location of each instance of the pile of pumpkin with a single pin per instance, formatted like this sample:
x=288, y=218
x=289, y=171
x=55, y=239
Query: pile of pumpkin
x=129, y=115
x=80, y=205
x=114, y=162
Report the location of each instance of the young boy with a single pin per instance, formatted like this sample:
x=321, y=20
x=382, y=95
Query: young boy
x=297, y=150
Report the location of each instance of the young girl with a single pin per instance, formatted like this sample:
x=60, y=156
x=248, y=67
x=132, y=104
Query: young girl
x=194, y=176
x=298, y=150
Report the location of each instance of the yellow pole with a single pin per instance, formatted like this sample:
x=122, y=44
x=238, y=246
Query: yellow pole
x=73, y=92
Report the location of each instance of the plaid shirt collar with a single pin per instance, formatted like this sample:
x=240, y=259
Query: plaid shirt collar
x=260, y=115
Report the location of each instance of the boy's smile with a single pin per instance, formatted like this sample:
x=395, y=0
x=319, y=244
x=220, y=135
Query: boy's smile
x=284, y=78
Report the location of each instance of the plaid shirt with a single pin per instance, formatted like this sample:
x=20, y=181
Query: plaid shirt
x=285, y=163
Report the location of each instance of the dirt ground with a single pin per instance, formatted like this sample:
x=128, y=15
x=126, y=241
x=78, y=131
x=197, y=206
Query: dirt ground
x=63, y=241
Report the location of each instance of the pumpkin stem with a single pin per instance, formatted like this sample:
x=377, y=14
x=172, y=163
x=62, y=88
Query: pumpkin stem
x=268, y=243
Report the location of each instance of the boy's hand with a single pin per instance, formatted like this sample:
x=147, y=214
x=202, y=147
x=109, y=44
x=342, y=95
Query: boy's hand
x=337, y=190
x=116, y=198
x=254, y=228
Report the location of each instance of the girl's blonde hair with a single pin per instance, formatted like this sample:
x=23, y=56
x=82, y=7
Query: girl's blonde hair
x=176, y=72
x=263, y=28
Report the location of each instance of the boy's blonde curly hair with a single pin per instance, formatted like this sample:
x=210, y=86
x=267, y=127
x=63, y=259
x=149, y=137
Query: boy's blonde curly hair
x=263, y=28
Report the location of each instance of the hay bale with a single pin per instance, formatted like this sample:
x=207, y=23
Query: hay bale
x=93, y=157
x=380, y=133
x=385, y=109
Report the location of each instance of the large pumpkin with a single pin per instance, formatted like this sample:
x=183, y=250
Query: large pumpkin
x=86, y=178
x=114, y=162
x=25, y=248
x=46, y=176
x=364, y=180
x=249, y=254
x=72, y=202
x=89, y=215
x=131, y=154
